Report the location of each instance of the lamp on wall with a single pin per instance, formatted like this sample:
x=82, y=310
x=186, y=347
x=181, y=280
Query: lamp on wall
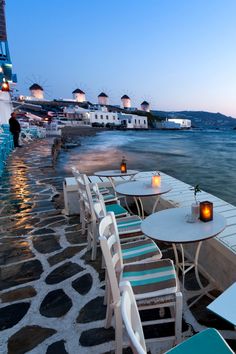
x=5, y=86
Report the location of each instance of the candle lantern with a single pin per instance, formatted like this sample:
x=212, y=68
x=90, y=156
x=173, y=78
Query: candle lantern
x=5, y=86
x=156, y=180
x=123, y=167
x=206, y=211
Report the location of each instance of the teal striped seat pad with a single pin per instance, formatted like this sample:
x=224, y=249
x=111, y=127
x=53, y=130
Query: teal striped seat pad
x=107, y=198
x=151, y=279
x=140, y=250
x=103, y=190
x=117, y=209
x=205, y=342
x=129, y=224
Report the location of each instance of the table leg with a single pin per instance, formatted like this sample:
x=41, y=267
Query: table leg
x=204, y=290
x=113, y=185
x=139, y=208
x=155, y=204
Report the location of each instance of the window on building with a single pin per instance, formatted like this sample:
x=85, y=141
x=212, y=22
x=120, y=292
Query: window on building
x=96, y=116
x=135, y=121
x=101, y=116
x=107, y=117
x=139, y=121
x=114, y=118
x=129, y=121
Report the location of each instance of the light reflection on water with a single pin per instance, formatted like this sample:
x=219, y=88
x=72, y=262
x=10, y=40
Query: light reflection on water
x=204, y=157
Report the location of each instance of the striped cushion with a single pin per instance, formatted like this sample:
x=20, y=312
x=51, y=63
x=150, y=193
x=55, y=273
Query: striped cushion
x=140, y=250
x=117, y=209
x=129, y=224
x=108, y=198
x=103, y=190
x=151, y=279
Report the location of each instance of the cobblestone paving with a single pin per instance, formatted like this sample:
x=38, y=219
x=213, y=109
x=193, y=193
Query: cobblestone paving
x=51, y=294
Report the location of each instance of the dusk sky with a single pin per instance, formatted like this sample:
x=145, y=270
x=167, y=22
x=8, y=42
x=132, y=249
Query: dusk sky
x=176, y=54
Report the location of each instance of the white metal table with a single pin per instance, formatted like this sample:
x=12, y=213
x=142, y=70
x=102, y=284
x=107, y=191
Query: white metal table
x=224, y=305
x=111, y=174
x=171, y=226
x=142, y=188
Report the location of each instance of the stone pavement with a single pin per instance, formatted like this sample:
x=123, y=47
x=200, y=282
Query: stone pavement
x=51, y=294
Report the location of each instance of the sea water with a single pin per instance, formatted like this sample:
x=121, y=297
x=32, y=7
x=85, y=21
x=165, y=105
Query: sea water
x=207, y=158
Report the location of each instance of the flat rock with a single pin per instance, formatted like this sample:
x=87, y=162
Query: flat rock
x=55, y=304
x=46, y=244
x=57, y=348
x=83, y=284
x=10, y=315
x=28, y=338
x=74, y=220
x=63, y=272
x=76, y=238
x=96, y=264
x=65, y=254
x=49, y=221
x=15, y=251
x=96, y=336
x=20, y=273
x=18, y=294
x=94, y=310
x=43, y=231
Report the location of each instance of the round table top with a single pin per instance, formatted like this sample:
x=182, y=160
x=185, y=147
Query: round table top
x=141, y=188
x=171, y=226
x=115, y=173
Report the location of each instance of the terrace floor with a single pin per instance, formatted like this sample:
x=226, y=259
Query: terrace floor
x=51, y=294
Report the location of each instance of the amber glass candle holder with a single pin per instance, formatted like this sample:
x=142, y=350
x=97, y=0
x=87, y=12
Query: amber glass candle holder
x=123, y=166
x=156, y=181
x=206, y=211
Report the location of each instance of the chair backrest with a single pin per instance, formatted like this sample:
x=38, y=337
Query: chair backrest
x=208, y=341
x=111, y=250
x=85, y=196
x=131, y=319
x=99, y=204
x=76, y=174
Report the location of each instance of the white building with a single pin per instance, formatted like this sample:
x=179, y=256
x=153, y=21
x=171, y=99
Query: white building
x=145, y=106
x=79, y=95
x=126, y=102
x=75, y=116
x=102, y=99
x=174, y=123
x=132, y=121
x=37, y=92
x=103, y=117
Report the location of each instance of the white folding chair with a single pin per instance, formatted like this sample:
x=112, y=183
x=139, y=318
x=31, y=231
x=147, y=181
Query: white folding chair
x=131, y=319
x=208, y=341
x=129, y=226
x=88, y=218
x=155, y=284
